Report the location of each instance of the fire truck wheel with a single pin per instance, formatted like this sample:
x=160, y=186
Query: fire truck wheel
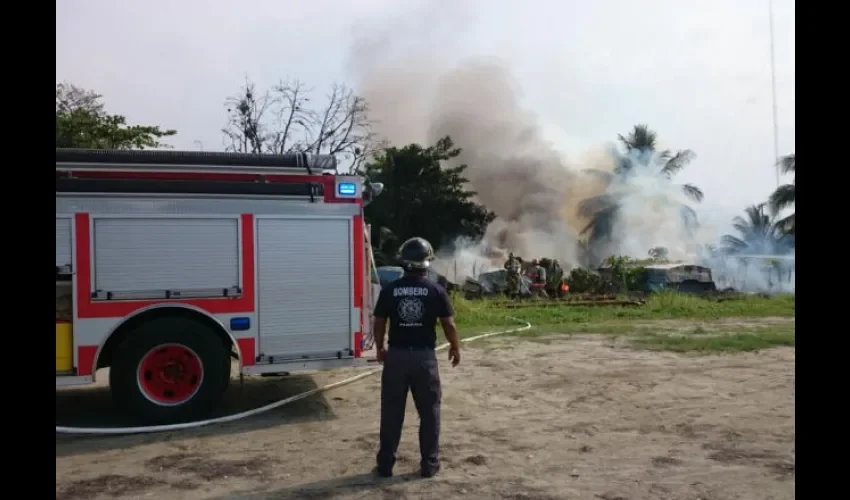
x=169, y=370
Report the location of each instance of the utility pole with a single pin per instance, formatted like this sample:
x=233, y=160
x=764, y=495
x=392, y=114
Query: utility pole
x=773, y=85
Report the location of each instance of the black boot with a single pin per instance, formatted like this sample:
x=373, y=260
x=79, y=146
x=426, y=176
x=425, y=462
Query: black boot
x=383, y=471
x=429, y=470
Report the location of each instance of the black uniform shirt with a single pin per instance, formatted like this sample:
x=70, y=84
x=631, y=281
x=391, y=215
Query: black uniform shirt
x=413, y=303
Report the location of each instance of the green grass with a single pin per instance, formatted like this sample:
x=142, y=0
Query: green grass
x=482, y=314
x=753, y=340
x=707, y=334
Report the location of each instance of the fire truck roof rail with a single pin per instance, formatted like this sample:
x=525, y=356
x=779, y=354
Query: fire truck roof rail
x=193, y=161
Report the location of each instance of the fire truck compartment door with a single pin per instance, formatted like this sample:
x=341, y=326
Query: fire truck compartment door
x=304, y=287
x=143, y=255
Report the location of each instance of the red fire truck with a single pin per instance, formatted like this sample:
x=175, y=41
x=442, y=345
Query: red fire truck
x=169, y=264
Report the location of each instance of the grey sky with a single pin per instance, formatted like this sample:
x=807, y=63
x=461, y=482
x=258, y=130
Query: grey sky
x=697, y=71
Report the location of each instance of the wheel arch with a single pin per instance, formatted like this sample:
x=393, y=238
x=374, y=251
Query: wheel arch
x=103, y=357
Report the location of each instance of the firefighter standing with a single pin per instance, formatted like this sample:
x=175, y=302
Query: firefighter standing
x=413, y=304
x=538, y=278
x=556, y=276
x=512, y=266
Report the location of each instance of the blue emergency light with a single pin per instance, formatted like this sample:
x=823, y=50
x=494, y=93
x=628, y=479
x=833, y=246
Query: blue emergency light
x=240, y=324
x=346, y=189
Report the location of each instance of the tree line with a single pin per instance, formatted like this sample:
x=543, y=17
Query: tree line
x=422, y=197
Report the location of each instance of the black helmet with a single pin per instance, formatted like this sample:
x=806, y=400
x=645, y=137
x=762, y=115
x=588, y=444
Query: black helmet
x=416, y=253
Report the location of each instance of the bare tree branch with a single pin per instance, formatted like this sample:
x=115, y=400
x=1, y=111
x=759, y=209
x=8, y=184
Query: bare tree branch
x=293, y=115
x=246, y=115
x=70, y=98
x=282, y=121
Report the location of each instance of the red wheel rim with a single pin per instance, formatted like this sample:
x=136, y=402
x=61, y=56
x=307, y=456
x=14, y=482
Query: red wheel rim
x=170, y=374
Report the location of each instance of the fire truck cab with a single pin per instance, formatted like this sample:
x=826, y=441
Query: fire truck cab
x=169, y=264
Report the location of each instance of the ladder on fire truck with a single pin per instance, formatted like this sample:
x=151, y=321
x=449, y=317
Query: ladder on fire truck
x=177, y=172
x=200, y=161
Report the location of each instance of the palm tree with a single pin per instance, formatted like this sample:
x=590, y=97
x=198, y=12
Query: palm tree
x=642, y=140
x=758, y=233
x=784, y=197
x=639, y=155
x=760, y=237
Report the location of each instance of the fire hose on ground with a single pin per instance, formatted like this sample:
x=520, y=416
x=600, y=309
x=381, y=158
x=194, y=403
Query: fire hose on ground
x=262, y=409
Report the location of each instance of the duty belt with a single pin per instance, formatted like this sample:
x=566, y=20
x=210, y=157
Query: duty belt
x=412, y=348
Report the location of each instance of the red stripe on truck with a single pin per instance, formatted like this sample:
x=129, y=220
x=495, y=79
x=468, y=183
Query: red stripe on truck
x=359, y=278
x=87, y=308
x=85, y=359
x=358, y=343
x=359, y=260
x=248, y=351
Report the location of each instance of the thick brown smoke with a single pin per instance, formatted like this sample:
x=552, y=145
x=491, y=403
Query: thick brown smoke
x=516, y=172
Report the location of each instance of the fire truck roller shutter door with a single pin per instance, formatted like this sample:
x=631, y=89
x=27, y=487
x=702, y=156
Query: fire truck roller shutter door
x=171, y=366
x=187, y=254
x=305, y=287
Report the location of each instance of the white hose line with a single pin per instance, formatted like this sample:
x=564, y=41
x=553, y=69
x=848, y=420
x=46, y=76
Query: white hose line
x=262, y=409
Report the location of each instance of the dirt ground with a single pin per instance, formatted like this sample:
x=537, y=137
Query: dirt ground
x=556, y=418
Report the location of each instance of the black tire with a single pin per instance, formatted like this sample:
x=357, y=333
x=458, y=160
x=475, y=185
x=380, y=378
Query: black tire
x=180, y=338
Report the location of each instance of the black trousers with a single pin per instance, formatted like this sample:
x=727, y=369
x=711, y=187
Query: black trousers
x=415, y=370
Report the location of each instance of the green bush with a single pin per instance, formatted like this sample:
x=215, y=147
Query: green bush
x=583, y=280
x=636, y=278
x=626, y=275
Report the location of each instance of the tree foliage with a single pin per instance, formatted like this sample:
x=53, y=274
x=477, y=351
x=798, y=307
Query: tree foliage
x=639, y=152
x=758, y=234
x=582, y=280
x=285, y=119
x=422, y=197
x=759, y=240
x=785, y=196
x=626, y=273
x=659, y=253
x=641, y=140
x=82, y=122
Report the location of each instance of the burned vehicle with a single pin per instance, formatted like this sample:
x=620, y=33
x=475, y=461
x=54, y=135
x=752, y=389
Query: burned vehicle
x=493, y=283
x=685, y=278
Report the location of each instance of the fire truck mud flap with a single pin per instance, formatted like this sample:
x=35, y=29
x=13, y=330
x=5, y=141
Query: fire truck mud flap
x=170, y=370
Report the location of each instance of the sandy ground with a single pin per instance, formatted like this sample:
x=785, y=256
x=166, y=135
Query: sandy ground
x=557, y=418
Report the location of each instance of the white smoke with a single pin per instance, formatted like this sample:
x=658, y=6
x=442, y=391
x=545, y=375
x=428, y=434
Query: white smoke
x=653, y=210
x=415, y=95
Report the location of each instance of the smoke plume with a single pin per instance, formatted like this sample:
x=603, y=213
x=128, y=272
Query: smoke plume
x=414, y=95
x=516, y=172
